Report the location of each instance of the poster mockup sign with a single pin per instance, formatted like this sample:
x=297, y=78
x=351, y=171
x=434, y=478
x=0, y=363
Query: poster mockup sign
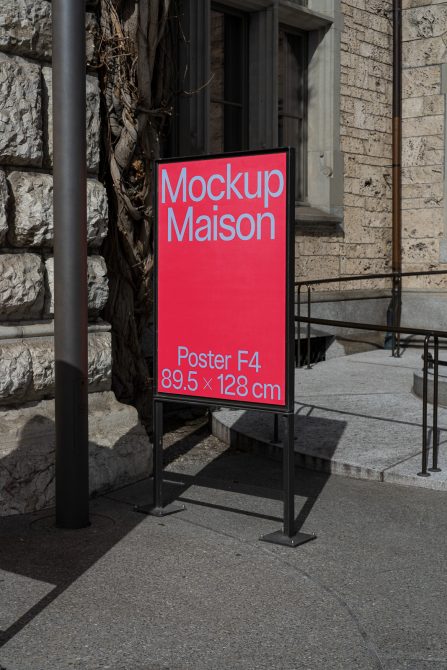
x=222, y=270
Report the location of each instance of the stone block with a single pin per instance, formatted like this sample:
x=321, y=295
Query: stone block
x=99, y=362
x=317, y=267
x=41, y=351
x=424, y=22
x=20, y=112
x=97, y=213
x=367, y=250
x=4, y=198
x=97, y=283
x=26, y=29
x=15, y=370
x=423, y=151
x=91, y=38
x=423, y=224
x=21, y=286
x=119, y=451
x=422, y=175
x=32, y=224
x=93, y=123
x=93, y=120
x=423, y=126
x=417, y=82
x=429, y=191
x=424, y=251
x=424, y=106
x=429, y=51
x=363, y=266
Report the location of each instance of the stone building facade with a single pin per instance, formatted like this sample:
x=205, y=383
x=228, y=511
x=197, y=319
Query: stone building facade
x=362, y=244
x=119, y=448
x=343, y=217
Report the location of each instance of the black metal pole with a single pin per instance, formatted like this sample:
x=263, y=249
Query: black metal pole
x=435, y=467
x=423, y=472
x=289, y=474
x=157, y=507
x=275, y=439
x=158, y=454
x=397, y=168
x=308, y=328
x=70, y=263
x=288, y=536
x=298, y=346
x=399, y=314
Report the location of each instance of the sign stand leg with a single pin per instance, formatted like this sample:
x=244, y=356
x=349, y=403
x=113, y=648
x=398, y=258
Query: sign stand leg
x=288, y=537
x=156, y=508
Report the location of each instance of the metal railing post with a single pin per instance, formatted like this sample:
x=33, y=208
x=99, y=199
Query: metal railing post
x=397, y=331
x=435, y=467
x=308, y=328
x=424, y=472
x=275, y=439
x=399, y=312
x=298, y=348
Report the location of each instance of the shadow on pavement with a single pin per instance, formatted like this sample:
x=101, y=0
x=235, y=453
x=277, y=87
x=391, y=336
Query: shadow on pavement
x=48, y=560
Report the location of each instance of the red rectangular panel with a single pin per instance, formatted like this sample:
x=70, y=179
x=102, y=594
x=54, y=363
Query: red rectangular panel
x=222, y=269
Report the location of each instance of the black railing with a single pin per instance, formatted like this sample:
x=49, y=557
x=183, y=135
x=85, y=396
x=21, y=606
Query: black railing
x=396, y=331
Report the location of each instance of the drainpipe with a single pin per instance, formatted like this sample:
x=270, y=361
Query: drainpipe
x=397, y=171
x=70, y=263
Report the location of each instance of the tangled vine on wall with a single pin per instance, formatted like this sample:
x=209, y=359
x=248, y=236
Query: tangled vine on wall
x=137, y=69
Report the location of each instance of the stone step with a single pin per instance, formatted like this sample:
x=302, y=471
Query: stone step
x=354, y=416
x=418, y=384
x=119, y=451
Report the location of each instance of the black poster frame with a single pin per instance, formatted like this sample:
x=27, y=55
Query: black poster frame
x=288, y=536
x=289, y=293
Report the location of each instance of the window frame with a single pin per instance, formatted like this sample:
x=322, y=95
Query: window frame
x=244, y=57
x=322, y=20
x=301, y=154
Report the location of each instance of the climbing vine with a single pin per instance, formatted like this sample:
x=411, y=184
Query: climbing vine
x=137, y=73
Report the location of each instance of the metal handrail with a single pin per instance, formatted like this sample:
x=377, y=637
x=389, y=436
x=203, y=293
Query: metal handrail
x=388, y=275
x=396, y=299
x=428, y=335
x=396, y=330
x=403, y=330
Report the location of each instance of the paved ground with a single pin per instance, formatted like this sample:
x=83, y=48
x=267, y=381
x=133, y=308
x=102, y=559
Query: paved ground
x=199, y=591
x=355, y=416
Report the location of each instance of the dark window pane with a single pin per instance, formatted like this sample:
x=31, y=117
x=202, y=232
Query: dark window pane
x=217, y=55
x=292, y=102
x=229, y=81
x=216, y=128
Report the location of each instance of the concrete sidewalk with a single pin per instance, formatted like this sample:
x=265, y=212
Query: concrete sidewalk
x=356, y=416
x=197, y=590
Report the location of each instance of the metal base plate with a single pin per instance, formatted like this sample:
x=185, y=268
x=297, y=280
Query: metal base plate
x=278, y=537
x=159, y=511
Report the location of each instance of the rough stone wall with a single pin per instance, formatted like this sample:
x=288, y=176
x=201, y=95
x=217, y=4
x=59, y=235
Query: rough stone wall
x=26, y=209
x=366, y=95
x=119, y=450
x=363, y=243
x=424, y=230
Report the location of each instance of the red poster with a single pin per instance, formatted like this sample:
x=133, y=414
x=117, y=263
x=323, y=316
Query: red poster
x=221, y=278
